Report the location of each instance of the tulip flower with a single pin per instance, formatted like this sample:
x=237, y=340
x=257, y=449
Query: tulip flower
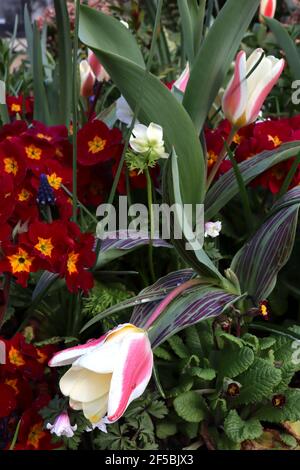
x=106, y=374
x=267, y=8
x=97, y=68
x=87, y=79
x=182, y=81
x=245, y=95
x=62, y=426
x=148, y=140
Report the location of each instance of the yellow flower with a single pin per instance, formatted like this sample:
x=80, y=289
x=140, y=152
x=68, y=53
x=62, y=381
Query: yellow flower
x=11, y=166
x=15, y=357
x=45, y=246
x=96, y=145
x=20, y=261
x=54, y=180
x=71, y=263
x=33, y=152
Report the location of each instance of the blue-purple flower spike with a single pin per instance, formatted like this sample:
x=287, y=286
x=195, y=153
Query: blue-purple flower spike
x=45, y=193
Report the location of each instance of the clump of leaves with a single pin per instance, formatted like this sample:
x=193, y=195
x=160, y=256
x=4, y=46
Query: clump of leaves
x=136, y=430
x=228, y=388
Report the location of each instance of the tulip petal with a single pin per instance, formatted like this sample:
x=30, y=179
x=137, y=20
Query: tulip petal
x=101, y=360
x=83, y=385
x=263, y=88
x=235, y=97
x=267, y=8
x=131, y=375
x=88, y=386
x=96, y=409
x=182, y=81
x=68, y=356
x=75, y=405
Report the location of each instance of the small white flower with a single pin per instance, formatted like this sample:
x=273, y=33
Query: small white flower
x=62, y=426
x=123, y=111
x=213, y=229
x=148, y=140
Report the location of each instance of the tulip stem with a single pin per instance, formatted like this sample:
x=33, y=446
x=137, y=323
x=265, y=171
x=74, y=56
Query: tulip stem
x=221, y=157
x=169, y=298
x=150, y=208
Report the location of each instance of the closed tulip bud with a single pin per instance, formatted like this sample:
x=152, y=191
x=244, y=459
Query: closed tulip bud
x=182, y=81
x=107, y=374
x=267, y=8
x=87, y=79
x=98, y=69
x=245, y=94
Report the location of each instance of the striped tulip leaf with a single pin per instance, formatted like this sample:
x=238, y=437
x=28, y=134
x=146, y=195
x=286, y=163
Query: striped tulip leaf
x=198, y=304
x=142, y=312
x=257, y=264
x=227, y=186
x=119, y=243
x=116, y=48
x=149, y=296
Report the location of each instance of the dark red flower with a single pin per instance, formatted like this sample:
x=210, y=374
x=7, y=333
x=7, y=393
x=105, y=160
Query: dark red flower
x=97, y=143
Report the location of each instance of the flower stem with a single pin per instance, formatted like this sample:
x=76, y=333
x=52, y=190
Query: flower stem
x=169, y=298
x=221, y=157
x=75, y=111
x=150, y=208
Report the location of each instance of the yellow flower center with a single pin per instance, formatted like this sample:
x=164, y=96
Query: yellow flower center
x=11, y=166
x=54, y=180
x=33, y=152
x=71, y=263
x=16, y=108
x=211, y=158
x=41, y=357
x=264, y=310
x=35, y=435
x=275, y=139
x=44, y=246
x=20, y=262
x=24, y=195
x=43, y=136
x=237, y=139
x=96, y=145
x=13, y=384
x=58, y=152
x=15, y=357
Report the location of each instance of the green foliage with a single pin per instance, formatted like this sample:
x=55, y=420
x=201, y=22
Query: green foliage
x=190, y=406
x=289, y=411
x=239, y=430
x=104, y=296
x=136, y=430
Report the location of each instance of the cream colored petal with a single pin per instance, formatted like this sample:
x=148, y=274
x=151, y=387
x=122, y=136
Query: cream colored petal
x=96, y=409
x=69, y=379
x=140, y=131
x=155, y=133
x=89, y=386
x=75, y=405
